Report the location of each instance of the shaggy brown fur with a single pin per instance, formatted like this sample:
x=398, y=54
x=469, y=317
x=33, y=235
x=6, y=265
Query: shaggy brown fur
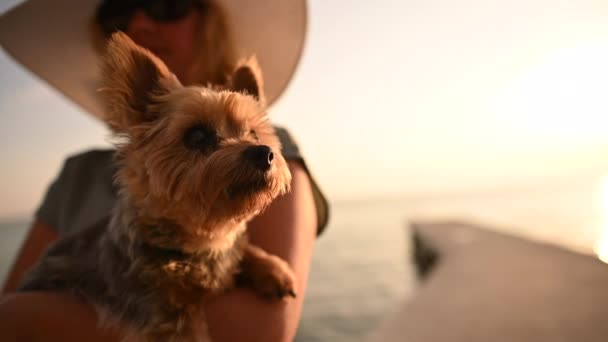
x=195, y=164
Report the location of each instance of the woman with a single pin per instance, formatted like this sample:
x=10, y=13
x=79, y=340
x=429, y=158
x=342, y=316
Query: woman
x=196, y=40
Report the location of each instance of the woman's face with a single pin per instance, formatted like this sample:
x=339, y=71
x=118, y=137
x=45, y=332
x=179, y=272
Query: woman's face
x=173, y=41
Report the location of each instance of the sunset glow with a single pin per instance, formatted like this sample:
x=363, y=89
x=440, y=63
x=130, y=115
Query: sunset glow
x=601, y=246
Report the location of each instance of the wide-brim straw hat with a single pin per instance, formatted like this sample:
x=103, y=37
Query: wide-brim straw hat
x=52, y=38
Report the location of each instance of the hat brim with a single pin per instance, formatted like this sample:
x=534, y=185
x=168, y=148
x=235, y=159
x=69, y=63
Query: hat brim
x=52, y=39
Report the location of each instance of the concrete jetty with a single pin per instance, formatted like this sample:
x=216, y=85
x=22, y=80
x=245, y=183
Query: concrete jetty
x=487, y=286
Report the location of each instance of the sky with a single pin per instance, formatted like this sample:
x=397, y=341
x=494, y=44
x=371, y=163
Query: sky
x=391, y=98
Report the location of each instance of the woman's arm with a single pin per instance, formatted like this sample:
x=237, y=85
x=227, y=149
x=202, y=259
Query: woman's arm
x=49, y=316
x=287, y=229
x=38, y=239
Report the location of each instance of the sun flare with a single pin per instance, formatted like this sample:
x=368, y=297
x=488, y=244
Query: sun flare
x=601, y=246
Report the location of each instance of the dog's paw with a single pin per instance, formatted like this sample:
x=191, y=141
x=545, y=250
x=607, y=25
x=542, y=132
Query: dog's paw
x=272, y=278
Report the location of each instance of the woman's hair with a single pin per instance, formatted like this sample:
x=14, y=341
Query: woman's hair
x=216, y=54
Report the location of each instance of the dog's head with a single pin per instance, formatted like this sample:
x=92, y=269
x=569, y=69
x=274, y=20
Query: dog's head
x=200, y=157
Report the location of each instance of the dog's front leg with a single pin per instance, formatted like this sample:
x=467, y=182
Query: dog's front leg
x=268, y=274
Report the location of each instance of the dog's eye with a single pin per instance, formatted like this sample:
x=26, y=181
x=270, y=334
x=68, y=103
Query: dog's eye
x=253, y=134
x=200, y=137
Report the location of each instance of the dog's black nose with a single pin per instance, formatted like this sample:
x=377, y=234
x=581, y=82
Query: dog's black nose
x=261, y=156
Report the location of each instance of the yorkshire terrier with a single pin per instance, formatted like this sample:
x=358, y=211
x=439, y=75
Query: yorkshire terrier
x=195, y=164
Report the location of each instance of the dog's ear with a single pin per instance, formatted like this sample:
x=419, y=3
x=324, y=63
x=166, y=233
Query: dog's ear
x=247, y=78
x=132, y=77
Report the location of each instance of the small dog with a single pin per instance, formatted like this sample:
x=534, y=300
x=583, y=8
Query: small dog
x=195, y=164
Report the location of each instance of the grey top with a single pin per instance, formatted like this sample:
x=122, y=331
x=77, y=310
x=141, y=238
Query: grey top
x=84, y=193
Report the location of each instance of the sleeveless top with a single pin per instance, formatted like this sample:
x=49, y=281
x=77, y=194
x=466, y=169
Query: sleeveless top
x=84, y=192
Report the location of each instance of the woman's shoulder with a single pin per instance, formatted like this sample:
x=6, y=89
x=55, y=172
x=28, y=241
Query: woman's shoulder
x=90, y=166
x=89, y=159
x=291, y=151
x=92, y=170
x=82, y=193
x=289, y=147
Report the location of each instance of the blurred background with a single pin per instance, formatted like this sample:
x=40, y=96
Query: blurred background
x=494, y=112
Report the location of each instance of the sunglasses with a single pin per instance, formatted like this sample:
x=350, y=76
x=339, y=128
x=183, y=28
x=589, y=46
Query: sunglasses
x=114, y=15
